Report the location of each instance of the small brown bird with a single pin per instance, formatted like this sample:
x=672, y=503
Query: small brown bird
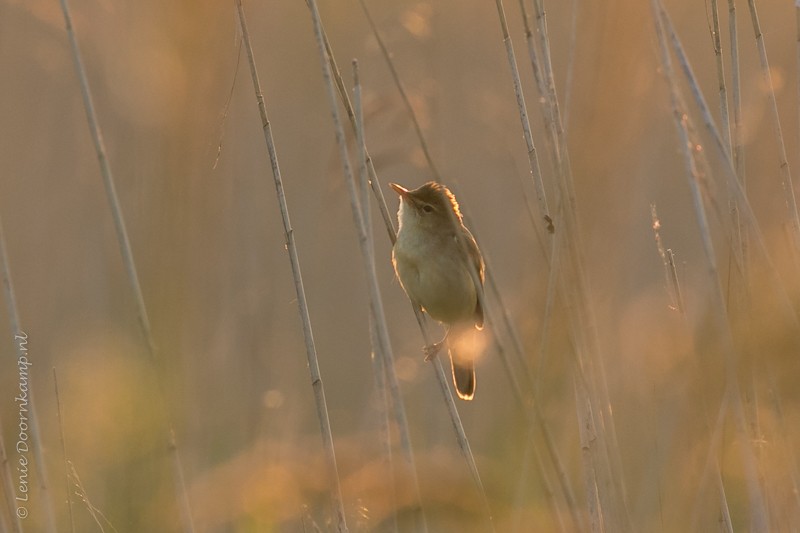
x=435, y=273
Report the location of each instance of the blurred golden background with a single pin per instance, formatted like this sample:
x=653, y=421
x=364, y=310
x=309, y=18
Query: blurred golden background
x=194, y=181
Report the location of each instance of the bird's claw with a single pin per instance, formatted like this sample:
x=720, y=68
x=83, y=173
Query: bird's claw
x=432, y=350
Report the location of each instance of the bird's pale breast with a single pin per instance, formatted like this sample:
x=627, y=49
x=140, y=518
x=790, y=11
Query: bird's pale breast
x=434, y=276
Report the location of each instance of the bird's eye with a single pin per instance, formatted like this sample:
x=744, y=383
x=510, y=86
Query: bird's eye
x=427, y=208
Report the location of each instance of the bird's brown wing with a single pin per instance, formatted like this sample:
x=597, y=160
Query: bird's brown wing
x=477, y=261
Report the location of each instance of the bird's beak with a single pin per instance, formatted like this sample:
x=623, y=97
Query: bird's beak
x=404, y=193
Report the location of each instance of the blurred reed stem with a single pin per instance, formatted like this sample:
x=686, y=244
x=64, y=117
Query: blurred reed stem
x=8, y=480
x=530, y=406
x=308, y=335
x=736, y=186
x=668, y=259
x=797, y=66
x=181, y=493
x=732, y=396
x=401, y=89
x=777, y=408
x=377, y=316
x=574, y=287
x=8, y=491
x=588, y=438
x=547, y=484
x=379, y=374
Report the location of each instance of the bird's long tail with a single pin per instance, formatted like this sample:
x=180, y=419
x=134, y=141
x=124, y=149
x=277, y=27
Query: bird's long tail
x=463, y=375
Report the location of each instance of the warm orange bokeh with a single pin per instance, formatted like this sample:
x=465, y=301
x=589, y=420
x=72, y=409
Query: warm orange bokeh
x=194, y=181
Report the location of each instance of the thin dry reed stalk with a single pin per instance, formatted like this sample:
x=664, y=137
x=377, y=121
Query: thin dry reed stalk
x=723, y=91
x=573, y=42
x=181, y=493
x=738, y=147
x=786, y=174
x=533, y=158
x=360, y=213
x=348, y=106
x=725, y=523
x=308, y=335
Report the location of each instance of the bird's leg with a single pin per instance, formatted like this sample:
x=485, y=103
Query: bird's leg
x=432, y=350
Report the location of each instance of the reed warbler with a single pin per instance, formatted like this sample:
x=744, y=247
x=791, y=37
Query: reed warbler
x=434, y=269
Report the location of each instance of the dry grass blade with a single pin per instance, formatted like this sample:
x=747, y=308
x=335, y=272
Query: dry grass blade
x=311, y=352
x=96, y=514
x=63, y=450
